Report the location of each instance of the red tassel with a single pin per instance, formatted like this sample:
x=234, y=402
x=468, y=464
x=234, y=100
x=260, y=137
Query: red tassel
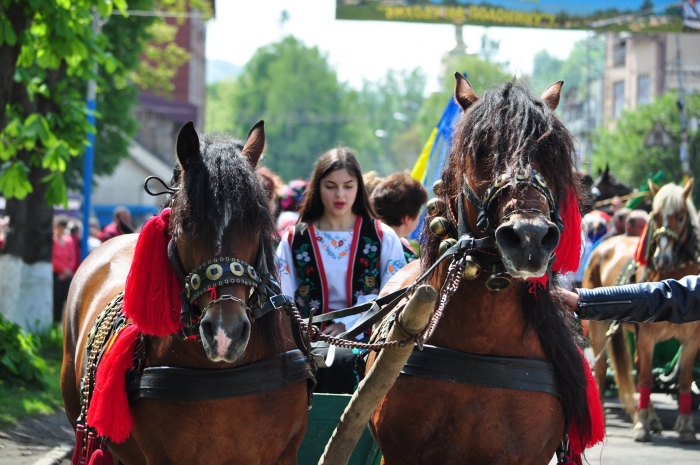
x=109, y=408
x=580, y=440
x=569, y=249
x=93, y=443
x=79, y=444
x=101, y=457
x=150, y=296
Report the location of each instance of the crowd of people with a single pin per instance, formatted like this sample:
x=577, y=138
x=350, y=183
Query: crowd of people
x=67, y=249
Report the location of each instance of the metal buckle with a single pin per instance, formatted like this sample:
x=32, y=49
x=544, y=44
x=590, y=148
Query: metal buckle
x=278, y=301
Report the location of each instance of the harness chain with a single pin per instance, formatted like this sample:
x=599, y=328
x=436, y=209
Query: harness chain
x=98, y=336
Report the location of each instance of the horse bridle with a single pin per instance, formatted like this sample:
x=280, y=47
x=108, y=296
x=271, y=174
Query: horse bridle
x=525, y=176
x=680, y=247
x=263, y=292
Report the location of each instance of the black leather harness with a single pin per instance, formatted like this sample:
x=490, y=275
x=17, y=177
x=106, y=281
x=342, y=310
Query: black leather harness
x=174, y=383
x=483, y=370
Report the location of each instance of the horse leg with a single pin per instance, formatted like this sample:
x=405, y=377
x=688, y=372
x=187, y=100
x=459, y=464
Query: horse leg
x=597, y=338
x=684, y=422
x=645, y=414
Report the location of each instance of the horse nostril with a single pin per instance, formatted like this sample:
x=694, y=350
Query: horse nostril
x=245, y=331
x=508, y=238
x=550, y=241
x=207, y=330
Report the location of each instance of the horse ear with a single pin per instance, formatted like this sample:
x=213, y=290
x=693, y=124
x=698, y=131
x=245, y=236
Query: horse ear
x=551, y=95
x=464, y=93
x=187, y=145
x=688, y=189
x=607, y=168
x=653, y=187
x=255, y=143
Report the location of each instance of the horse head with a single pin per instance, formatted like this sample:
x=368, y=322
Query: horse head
x=606, y=186
x=510, y=170
x=222, y=230
x=674, y=226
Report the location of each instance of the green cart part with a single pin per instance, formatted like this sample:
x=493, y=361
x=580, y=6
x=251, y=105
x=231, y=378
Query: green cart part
x=323, y=418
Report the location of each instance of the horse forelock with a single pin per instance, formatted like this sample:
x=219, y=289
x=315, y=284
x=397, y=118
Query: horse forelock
x=670, y=200
x=222, y=197
x=508, y=128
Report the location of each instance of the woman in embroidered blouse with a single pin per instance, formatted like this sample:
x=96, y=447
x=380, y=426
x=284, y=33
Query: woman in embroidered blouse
x=337, y=255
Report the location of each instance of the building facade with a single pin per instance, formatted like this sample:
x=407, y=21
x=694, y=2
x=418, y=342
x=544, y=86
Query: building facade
x=641, y=67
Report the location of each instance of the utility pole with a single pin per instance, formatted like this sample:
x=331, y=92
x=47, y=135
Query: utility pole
x=89, y=155
x=681, y=107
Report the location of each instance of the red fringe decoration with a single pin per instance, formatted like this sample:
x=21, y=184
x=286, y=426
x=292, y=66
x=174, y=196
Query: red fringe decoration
x=151, y=294
x=568, y=251
x=580, y=440
x=642, y=252
x=569, y=248
x=101, y=457
x=79, y=442
x=109, y=407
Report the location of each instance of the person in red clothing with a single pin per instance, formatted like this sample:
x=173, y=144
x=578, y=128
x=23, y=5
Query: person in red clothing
x=120, y=225
x=64, y=261
x=75, y=229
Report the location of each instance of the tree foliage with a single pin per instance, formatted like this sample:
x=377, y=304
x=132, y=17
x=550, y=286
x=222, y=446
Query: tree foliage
x=622, y=147
x=44, y=110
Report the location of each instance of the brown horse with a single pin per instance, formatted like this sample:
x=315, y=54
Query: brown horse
x=219, y=209
x=490, y=186
x=671, y=254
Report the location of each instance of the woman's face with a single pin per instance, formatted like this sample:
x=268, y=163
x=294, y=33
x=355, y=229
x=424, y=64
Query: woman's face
x=338, y=192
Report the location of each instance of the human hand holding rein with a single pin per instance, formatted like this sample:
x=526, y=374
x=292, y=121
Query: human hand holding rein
x=568, y=298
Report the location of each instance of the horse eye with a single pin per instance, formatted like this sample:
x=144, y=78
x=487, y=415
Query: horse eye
x=681, y=218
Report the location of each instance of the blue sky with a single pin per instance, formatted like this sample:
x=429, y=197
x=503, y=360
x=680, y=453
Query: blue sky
x=366, y=49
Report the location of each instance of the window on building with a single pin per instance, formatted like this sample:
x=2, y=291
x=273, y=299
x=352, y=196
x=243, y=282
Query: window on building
x=643, y=90
x=619, y=98
x=619, y=53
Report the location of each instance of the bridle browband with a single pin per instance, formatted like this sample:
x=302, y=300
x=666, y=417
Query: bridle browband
x=527, y=176
x=218, y=272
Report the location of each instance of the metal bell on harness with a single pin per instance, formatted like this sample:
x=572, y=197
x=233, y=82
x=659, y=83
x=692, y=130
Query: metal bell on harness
x=437, y=187
x=446, y=244
x=439, y=226
x=472, y=269
x=497, y=281
x=434, y=206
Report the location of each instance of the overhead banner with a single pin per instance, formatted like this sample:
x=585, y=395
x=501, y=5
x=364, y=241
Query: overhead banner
x=600, y=15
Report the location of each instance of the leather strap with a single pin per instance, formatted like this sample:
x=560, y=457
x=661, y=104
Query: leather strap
x=184, y=384
x=483, y=370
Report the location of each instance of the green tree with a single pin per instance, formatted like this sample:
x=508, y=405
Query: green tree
x=295, y=90
x=622, y=147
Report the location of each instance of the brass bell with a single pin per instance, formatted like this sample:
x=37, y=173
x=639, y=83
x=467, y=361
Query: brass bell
x=497, y=281
x=434, y=206
x=437, y=187
x=472, y=269
x=439, y=226
x=446, y=244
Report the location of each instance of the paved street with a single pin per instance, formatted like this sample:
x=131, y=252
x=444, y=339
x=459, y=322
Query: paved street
x=30, y=441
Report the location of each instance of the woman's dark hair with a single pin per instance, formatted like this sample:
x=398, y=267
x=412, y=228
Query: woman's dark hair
x=397, y=196
x=334, y=160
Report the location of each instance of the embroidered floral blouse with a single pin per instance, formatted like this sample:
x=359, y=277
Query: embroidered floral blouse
x=335, y=249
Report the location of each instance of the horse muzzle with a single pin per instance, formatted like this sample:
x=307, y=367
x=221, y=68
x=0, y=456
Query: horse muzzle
x=527, y=243
x=225, y=332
